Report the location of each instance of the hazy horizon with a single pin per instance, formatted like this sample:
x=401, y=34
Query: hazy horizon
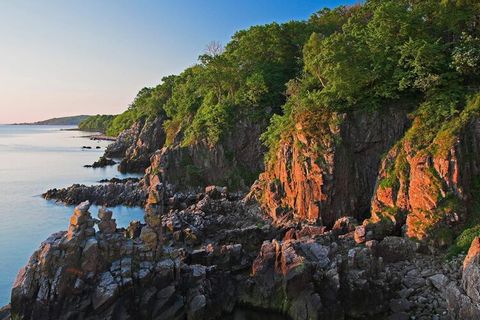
x=64, y=59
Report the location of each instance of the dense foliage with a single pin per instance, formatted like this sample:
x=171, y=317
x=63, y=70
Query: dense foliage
x=362, y=56
x=245, y=80
x=98, y=123
x=386, y=51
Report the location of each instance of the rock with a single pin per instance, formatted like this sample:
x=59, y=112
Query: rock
x=360, y=234
x=112, y=194
x=414, y=201
x=83, y=207
x=471, y=272
x=240, y=149
x=400, y=305
x=197, y=307
x=104, y=214
x=101, y=163
x=214, y=192
x=399, y=316
x=117, y=180
x=344, y=225
x=149, y=236
x=5, y=312
x=393, y=249
x=105, y=292
x=134, y=229
x=439, y=281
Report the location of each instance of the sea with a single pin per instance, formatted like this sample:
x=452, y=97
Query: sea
x=34, y=159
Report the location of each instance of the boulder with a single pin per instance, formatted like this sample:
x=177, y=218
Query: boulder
x=393, y=249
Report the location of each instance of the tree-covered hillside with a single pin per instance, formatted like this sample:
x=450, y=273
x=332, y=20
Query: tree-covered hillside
x=424, y=51
x=98, y=123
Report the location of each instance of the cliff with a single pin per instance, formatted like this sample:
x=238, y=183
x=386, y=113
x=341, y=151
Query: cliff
x=327, y=167
x=137, y=144
x=430, y=193
x=234, y=162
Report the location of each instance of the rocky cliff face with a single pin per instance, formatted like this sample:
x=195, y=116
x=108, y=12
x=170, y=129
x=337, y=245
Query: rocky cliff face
x=235, y=161
x=137, y=144
x=427, y=193
x=327, y=168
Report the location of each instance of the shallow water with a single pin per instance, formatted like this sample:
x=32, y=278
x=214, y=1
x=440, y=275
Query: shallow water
x=32, y=160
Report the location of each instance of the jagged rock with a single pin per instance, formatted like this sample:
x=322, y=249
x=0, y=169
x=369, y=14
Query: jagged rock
x=344, y=225
x=101, y=163
x=215, y=192
x=439, y=281
x=112, y=194
x=106, y=291
x=134, y=229
x=305, y=277
x=393, y=249
x=311, y=274
x=107, y=225
x=149, y=236
x=117, y=180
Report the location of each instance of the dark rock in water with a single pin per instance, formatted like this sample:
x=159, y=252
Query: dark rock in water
x=98, y=147
x=112, y=194
x=117, y=180
x=86, y=147
x=101, y=163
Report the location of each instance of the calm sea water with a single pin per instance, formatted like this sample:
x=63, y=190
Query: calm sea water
x=32, y=160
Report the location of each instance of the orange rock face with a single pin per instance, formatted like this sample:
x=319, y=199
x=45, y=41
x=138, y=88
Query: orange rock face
x=473, y=252
x=327, y=168
x=427, y=190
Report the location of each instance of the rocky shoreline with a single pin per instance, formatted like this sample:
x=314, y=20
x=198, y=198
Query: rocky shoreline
x=198, y=256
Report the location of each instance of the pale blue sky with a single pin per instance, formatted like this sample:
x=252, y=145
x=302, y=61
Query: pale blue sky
x=67, y=57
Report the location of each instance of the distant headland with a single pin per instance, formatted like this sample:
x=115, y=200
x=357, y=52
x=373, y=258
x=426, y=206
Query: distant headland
x=66, y=121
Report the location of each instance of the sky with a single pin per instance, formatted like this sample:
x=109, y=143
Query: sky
x=69, y=57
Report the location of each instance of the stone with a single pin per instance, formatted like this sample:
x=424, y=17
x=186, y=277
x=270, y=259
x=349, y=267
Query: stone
x=439, y=281
x=344, y=225
x=134, y=229
x=196, y=307
x=393, y=249
x=400, y=305
x=107, y=226
x=149, y=236
x=105, y=292
x=104, y=214
x=360, y=234
x=83, y=207
x=214, y=192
